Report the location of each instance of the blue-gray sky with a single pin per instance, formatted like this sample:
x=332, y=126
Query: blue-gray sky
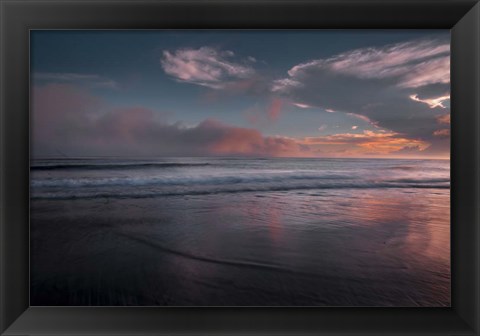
x=262, y=93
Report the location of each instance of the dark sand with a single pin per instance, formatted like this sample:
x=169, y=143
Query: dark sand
x=349, y=247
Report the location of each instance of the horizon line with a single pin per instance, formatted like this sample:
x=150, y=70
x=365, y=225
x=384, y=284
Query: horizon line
x=232, y=157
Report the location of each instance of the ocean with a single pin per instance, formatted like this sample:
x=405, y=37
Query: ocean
x=240, y=232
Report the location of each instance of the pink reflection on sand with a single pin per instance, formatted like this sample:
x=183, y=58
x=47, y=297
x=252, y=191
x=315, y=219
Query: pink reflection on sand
x=274, y=225
x=415, y=229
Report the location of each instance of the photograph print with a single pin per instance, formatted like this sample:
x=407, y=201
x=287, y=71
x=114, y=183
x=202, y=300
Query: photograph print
x=240, y=168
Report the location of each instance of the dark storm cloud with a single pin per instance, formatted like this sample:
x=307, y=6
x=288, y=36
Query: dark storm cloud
x=402, y=87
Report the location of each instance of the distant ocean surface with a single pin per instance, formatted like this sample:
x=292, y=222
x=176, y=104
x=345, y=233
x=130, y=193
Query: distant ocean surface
x=240, y=232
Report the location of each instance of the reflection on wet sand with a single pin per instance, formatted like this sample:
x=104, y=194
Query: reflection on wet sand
x=338, y=247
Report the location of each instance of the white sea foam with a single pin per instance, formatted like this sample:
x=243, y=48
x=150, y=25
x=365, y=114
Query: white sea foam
x=201, y=177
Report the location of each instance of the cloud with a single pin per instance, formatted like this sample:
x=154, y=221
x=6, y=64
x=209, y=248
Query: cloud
x=428, y=72
x=444, y=119
x=432, y=102
x=266, y=113
x=300, y=105
x=403, y=88
x=442, y=132
x=409, y=150
x=90, y=80
x=274, y=109
x=205, y=66
x=368, y=142
x=364, y=118
x=68, y=119
x=354, y=127
x=414, y=63
x=231, y=140
x=284, y=85
x=57, y=110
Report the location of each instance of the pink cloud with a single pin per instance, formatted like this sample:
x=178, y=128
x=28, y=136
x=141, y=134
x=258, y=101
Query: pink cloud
x=444, y=119
x=444, y=133
x=274, y=109
x=262, y=116
x=71, y=121
x=204, y=66
x=55, y=106
x=244, y=141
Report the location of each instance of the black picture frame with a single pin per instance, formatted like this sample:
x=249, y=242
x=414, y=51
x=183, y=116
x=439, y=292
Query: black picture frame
x=18, y=17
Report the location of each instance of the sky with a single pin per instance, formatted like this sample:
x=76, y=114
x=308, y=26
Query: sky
x=282, y=93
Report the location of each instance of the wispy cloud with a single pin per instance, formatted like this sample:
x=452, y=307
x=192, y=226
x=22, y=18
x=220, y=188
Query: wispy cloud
x=412, y=64
x=300, y=105
x=91, y=80
x=205, y=66
x=432, y=102
x=364, y=118
x=283, y=85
